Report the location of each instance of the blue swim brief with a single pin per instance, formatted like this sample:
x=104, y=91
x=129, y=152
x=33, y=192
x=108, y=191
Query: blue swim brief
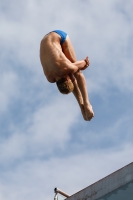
x=62, y=34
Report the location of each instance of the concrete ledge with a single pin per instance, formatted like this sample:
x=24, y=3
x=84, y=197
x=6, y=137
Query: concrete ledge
x=105, y=185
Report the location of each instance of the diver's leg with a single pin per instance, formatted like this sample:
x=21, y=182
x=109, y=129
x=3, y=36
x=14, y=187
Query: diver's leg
x=86, y=106
x=80, y=88
x=68, y=50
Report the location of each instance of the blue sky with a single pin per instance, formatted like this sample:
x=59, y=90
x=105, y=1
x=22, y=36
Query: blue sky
x=44, y=141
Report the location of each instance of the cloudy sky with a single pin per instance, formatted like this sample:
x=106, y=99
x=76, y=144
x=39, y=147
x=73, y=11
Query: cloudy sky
x=44, y=141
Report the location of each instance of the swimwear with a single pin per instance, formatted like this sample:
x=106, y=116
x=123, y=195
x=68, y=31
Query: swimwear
x=62, y=34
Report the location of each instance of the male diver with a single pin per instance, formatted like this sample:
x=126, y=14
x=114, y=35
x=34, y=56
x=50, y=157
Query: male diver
x=59, y=63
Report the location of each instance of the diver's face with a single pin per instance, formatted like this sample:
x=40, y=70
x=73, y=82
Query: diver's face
x=67, y=77
x=71, y=77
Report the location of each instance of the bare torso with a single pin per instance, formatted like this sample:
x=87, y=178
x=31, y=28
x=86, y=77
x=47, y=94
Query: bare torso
x=52, y=58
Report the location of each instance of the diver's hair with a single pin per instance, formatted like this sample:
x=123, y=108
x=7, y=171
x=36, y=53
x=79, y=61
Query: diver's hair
x=65, y=85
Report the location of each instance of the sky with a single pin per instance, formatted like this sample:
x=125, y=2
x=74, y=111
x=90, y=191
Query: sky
x=44, y=141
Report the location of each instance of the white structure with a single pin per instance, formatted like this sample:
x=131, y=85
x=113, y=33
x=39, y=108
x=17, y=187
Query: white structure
x=116, y=186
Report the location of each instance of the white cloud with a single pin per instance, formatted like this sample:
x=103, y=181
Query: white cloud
x=50, y=125
x=12, y=149
x=8, y=89
x=44, y=131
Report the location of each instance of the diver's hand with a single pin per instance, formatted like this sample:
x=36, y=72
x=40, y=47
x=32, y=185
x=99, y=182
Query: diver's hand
x=87, y=63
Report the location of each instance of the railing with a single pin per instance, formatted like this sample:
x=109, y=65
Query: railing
x=58, y=191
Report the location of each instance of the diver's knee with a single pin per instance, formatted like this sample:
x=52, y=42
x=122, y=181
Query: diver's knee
x=78, y=73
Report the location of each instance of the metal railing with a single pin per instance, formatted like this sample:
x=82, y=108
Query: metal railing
x=58, y=191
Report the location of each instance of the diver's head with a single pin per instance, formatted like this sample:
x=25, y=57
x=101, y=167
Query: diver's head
x=65, y=85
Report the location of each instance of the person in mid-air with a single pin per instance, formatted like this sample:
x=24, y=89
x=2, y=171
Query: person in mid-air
x=59, y=63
